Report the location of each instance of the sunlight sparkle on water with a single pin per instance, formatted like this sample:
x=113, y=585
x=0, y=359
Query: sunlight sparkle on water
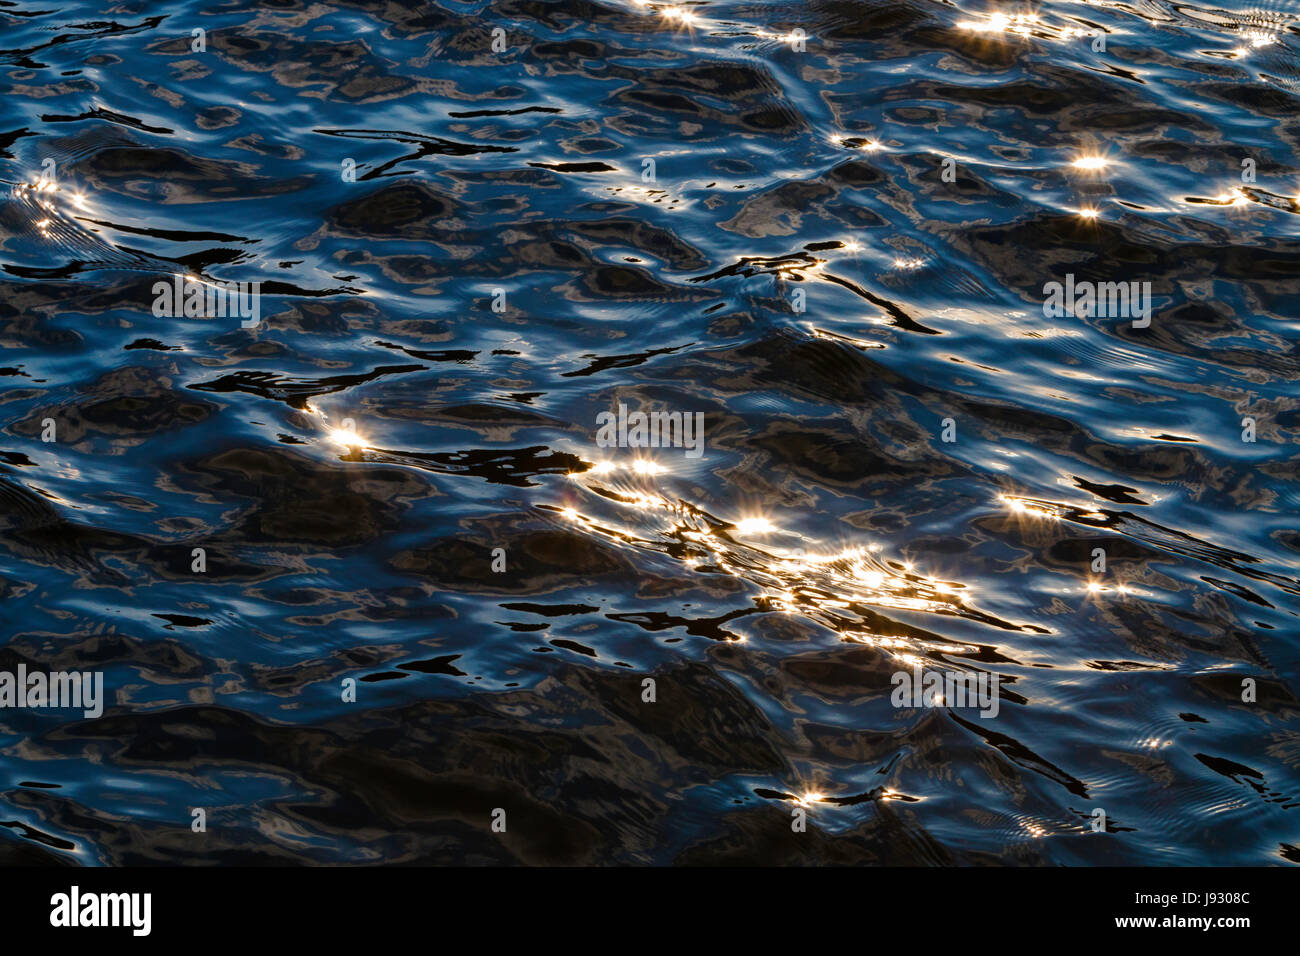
x=679, y=15
x=1017, y=23
x=1235, y=198
x=346, y=436
x=871, y=578
x=1091, y=162
x=1020, y=506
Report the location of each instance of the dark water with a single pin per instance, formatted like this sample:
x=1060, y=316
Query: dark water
x=827, y=539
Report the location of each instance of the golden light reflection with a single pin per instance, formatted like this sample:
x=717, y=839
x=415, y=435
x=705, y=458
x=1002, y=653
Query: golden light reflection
x=650, y=195
x=46, y=188
x=1025, y=506
x=347, y=436
x=644, y=501
x=605, y=467
x=833, y=586
x=1234, y=198
x=869, y=145
x=682, y=15
x=196, y=279
x=1032, y=510
x=1096, y=587
x=871, y=578
x=344, y=434
x=1090, y=162
x=1020, y=24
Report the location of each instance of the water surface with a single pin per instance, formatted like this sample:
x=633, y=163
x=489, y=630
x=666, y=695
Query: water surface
x=839, y=261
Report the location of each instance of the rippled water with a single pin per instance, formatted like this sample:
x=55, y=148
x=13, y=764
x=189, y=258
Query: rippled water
x=827, y=227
